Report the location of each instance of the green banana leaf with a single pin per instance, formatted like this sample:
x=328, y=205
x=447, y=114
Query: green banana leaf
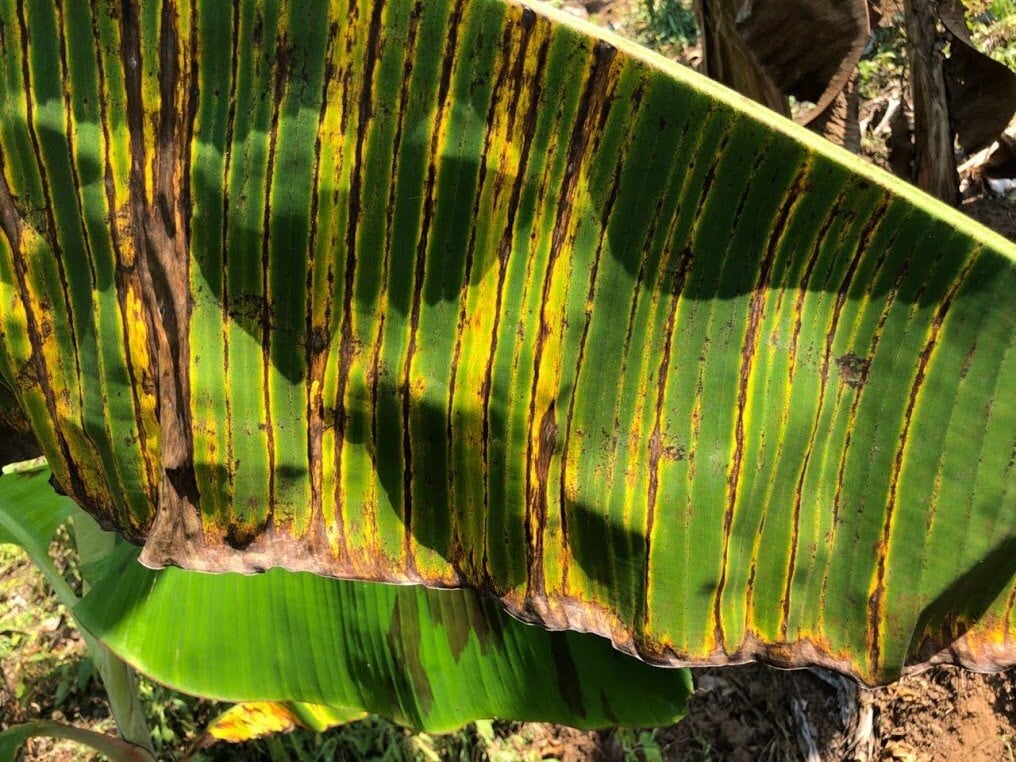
x=427, y=658
x=30, y=514
x=320, y=718
x=467, y=293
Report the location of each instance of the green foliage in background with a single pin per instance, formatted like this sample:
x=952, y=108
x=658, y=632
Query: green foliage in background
x=670, y=22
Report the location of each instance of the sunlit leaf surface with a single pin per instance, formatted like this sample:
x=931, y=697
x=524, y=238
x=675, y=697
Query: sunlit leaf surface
x=463, y=293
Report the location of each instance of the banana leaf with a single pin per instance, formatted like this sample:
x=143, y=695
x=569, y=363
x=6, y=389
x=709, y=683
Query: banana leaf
x=30, y=514
x=429, y=659
x=257, y=719
x=426, y=658
x=468, y=293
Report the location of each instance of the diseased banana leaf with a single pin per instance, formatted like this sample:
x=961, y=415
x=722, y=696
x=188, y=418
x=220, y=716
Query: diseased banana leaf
x=258, y=719
x=464, y=292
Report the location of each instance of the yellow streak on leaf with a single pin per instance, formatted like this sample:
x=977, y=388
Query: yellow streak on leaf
x=252, y=719
x=138, y=340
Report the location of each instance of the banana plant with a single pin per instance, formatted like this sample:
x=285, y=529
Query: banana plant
x=469, y=294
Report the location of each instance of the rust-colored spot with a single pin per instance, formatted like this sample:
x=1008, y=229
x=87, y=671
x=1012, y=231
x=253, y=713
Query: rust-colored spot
x=676, y=453
x=853, y=370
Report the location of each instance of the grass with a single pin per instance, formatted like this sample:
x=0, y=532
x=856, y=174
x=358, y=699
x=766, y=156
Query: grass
x=666, y=26
x=669, y=22
x=996, y=36
x=884, y=65
x=639, y=745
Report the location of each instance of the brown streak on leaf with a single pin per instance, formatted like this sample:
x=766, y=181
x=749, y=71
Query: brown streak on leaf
x=444, y=84
x=749, y=348
x=876, y=606
x=593, y=102
x=158, y=232
x=505, y=245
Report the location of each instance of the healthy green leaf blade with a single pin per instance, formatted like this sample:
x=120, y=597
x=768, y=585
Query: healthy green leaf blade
x=320, y=718
x=30, y=513
x=430, y=659
x=99, y=551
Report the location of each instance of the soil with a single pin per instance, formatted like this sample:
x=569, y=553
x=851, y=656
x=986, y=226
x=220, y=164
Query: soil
x=998, y=214
x=755, y=713
x=758, y=713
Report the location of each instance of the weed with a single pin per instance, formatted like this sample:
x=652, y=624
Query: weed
x=671, y=22
x=996, y=37
x=883, y=66
x=667, y=26
x=639, y=745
